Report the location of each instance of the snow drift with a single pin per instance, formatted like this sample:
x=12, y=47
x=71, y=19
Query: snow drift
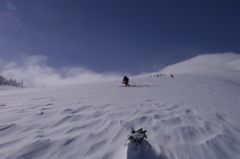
x=206, y=63
x=194, y=116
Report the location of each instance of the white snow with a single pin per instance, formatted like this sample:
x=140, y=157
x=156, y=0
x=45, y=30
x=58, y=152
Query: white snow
x=194, y=116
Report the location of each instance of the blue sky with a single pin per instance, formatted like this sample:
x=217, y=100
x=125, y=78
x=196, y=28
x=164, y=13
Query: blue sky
x=132, y=36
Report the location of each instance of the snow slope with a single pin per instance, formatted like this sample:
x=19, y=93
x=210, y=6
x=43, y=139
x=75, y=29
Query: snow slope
x=186, y=117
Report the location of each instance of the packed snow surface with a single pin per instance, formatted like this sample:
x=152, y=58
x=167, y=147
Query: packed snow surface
x=186, y=117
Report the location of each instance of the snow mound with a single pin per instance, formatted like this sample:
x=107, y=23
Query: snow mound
x=132, y=151
x=137, y=147
x=207, y=63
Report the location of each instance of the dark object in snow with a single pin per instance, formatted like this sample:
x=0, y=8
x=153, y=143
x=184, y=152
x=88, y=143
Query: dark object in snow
x=10, y=82
x=171, y=75
x=138, y=136
x=125, y=81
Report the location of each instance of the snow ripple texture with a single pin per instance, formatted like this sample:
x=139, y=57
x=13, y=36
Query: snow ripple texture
x=186, y=117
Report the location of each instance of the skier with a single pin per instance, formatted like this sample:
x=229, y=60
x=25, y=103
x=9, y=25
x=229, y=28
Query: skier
x=125, y=81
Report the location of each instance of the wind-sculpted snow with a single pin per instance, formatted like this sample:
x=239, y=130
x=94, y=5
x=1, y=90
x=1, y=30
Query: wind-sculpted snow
x=207, y=63
x=186, y=117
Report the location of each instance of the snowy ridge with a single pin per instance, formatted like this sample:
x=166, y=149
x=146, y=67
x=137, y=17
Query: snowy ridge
x=186, y=117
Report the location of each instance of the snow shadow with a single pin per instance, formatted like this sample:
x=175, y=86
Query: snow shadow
x=142, y=152
x=133, y=151
x=138, y=86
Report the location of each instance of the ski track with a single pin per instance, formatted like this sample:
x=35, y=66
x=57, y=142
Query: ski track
x=188, y=117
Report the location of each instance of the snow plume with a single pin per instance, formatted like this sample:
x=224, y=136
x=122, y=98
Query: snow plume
x=205, y=63
x=34, y=71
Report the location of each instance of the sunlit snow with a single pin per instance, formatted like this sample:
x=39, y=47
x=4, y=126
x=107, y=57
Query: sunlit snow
x=190, y=116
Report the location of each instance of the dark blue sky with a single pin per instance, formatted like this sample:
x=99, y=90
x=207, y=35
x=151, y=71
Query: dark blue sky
x=132, y=36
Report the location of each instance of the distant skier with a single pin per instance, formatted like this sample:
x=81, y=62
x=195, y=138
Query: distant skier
x=125, y=81
x=171, y=75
